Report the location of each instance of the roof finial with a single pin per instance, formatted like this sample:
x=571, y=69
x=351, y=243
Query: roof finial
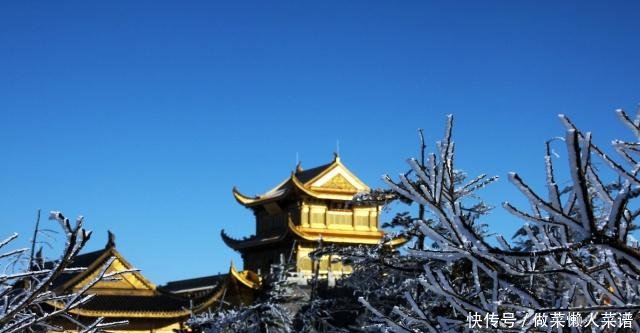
x=337, y=148
x=111, y=242
x=298, y=164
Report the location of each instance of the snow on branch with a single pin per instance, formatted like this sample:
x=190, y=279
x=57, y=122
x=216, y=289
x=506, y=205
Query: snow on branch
x=27, y=303
x=574, y=254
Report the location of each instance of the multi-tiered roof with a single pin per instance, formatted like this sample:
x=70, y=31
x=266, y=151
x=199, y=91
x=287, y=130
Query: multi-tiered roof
x=308, y=206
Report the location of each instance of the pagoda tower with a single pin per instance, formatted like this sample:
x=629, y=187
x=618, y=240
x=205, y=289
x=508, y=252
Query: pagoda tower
x=309, y=206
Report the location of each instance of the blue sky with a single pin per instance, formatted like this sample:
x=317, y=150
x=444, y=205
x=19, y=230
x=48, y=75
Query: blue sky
x=143, y=115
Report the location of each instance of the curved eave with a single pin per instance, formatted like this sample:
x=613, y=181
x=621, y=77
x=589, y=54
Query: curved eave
x=334, y=236
x=124, y=314
x=243, y=199
x=239, y=245
x=244, y=278
x=231, y=242
x=258, y=200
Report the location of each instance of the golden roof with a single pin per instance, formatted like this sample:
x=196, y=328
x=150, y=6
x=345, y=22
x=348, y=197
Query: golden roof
x=343, y=236
x=130, y=296
x=367, y=237
x=246, y=277
x=330, y=181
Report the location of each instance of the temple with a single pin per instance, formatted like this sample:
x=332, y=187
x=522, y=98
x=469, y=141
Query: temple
x=144, y=306
x=310, y=208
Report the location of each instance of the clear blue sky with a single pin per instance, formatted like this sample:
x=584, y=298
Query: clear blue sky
x=142, y=115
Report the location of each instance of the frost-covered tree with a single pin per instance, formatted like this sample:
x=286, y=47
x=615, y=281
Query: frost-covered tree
x=274, y=310
x=576, y=257
x=383, y=275
x=25, y=294
x=380, y=275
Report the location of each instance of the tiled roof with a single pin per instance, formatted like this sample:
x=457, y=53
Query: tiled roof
x=82, y=260
x=306, y=175
x=204, y=282
x=133, y=303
